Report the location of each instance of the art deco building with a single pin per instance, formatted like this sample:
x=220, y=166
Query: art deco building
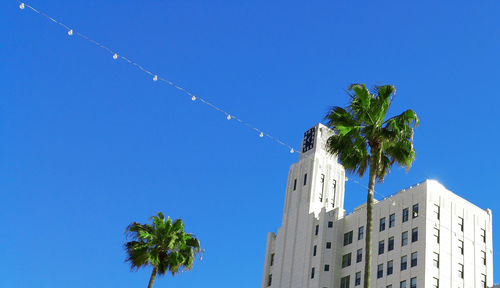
x=423, y=236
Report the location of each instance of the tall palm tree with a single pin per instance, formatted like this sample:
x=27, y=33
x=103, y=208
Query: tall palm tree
x=364, y=138
x=162, y=244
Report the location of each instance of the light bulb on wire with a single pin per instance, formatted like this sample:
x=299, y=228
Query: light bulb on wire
x=70, y=32
x=155, y=78
x=292, y=151
x=21, y=6
x=193, y=98
x=228, y=117
x=261, y=135
x=115, y=56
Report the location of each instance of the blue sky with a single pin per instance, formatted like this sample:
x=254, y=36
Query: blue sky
x=90, y=144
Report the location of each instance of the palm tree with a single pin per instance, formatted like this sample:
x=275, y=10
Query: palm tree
x=363, y=138
x=162, y=244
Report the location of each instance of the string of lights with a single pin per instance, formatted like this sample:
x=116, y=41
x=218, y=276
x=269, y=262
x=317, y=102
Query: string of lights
x=156, y=77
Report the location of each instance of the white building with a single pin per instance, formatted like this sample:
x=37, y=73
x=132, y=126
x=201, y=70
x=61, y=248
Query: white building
x=423, y=236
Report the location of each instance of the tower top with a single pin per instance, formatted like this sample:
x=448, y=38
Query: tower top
x=314, y=141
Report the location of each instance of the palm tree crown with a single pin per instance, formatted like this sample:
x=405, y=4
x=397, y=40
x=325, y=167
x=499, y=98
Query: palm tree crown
x=162, y=244
x=363, y=138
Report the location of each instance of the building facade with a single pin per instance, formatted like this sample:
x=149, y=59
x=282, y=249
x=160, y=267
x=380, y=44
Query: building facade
x=423, y=236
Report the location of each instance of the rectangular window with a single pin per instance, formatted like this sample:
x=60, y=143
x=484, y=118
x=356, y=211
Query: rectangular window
x=344, y=282
x=415, y=211
x=382, y=224
x=413, y=282
x=402, y=284
x=381, y=247
x=328, y=245
x=361, y=232
x=269, y=279
x=483, y=257
x=390, y=267
x=272, y=260
x=312, y=272
x=405, y=215
x=435, y=283
x=414, y=259
x=414, y=235
x=359, y=255
x=327, y=267
x=404, y=263
x=357, y=280
x=348, y=238
x=314, y=250
x=346, y=260
x=404, y=238
x=435, y=260
x=461, y=223
x=380, y=271
x=294, y=184
x=330, y=224
x=316, y=230
x=483, y=235
x=334, y=188
x=436, y=235
x=461, y=271
x=322, y=179
x=392, y=220
x=483, y=280
x=388, y=286
x=461, y=247
x=437, y=211
x=305, y=179
x=390, y=244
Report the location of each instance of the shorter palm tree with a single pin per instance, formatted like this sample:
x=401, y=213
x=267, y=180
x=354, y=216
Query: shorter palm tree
x=163, y=244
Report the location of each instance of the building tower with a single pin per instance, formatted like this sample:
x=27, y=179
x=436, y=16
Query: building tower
x=423, y=236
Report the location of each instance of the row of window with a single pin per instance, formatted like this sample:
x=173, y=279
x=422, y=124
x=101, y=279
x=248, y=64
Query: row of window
x=345, y=282
x=404, y=217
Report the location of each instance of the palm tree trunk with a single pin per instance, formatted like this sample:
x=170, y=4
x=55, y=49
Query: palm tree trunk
x=152, y=279
x=374, y=161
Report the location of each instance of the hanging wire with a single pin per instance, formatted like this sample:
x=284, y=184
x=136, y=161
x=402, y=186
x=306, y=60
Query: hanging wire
x=71, y=32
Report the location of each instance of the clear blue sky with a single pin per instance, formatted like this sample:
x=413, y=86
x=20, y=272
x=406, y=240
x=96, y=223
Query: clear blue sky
x=89, y=144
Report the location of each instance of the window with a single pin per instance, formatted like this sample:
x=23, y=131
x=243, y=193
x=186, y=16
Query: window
x=334, y=188
x=483, y=235
x=461, y=247
x=381, y=247
x=316, y=230
x=328, y=245
x=382, y=224
x=414, y=235
x=404, y=263
x=314, y=250
x=357, y=280
x=405, y=215
x=269, y=279
x=389, y=267
x=461, y=223
x=346, y=260
x=414, y=256
x=388, y=286
x=437, y=211
x=413, y=282
x=361, y=232
x=402, y=284
x=344, y=282
x=359, y=255
x=436, y=235
x=330, y=224
x=312, y=272
x=380, y=271
x=483, y=280
x=390, y=245
x=404, y=238
x=435, y=283
x=435, y=260
x=305, y=179
x=322, y=179
x=483, y=257
x=348, y=238
x=294, y=184
x=327, y=267
x=272, y=260
x=415, y=211
x=392, y=220
x=461, y=271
